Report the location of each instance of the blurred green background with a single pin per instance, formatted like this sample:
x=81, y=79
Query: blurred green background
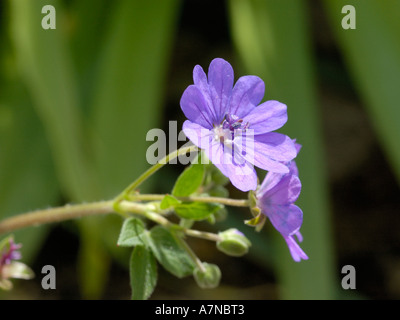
x=76, y=104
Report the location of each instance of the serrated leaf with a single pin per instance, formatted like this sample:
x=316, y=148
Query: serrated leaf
x=143, y=273
x=189, y=181
x=170, y=253
x=132, y=233
x=169, y=201
x=196, y=210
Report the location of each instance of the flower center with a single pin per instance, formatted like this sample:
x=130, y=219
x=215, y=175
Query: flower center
x=232, y=122
x=225, y=132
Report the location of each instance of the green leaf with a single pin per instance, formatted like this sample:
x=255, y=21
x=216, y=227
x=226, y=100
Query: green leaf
x=189, y=181
x=143, y=273
x=132, y=233
x=170, y=253
x=196, y=210
x=168, y=202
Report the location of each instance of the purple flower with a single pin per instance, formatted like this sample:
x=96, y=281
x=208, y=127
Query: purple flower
x=276, y=197
x=9, y=268
x=10, y=253
x=232, y=129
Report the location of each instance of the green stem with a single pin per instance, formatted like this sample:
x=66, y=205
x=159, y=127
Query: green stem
x=202, y=235
x=191, y=253
x=38, y=217
x=225, y=201
x=124, y=194
x=145, y=210
x=127, y=206
x=59, y=214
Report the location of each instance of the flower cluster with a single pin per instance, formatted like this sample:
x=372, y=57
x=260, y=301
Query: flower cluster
x=236, y=132
x=276, y=197
x=10, y=253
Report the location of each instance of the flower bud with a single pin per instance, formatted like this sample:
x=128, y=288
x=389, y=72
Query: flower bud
x=221, y=214
x=218, y=191
x=209, y=278
x=233, y=243
x=218, y=178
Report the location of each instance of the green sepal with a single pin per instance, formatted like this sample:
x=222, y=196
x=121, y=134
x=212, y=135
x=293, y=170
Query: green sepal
x=208, y=279
x=233, y=243
x=252, y=199
x=258, y=221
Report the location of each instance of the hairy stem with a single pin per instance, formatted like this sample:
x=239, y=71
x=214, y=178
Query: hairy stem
x=191, y=254
x=202, y=234
x=149, y=172
x=127, y=206
x=225, y=201
x=51, y=215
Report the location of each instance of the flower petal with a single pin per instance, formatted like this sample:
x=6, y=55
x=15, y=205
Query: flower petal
x=274, y=145
x=195, y=107
x=220, y=80
x=295, y=250
x=241, y=173
x=246, y=94
x=268, y=151
x=285, y=192
x=287, y=219
x=299, y=236
x=200, y=81
x=196, y=133
x=269, y=182
x=268, y=116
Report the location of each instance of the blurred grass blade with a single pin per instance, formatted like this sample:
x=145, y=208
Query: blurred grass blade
x=272, y=40
x=126, y=98
x=46, y=67
x=128, y=95
x=89, y=28
x=27, y=177
x=372, y=54
x=87, y=32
